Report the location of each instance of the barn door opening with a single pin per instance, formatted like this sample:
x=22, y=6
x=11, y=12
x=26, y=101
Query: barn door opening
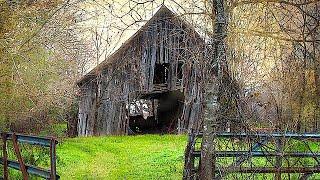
x=142, y=117
x=159, y=114
x=170, y=110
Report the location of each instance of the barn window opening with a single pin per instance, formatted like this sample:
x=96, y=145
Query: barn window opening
x=161, y=73
x=179, y=70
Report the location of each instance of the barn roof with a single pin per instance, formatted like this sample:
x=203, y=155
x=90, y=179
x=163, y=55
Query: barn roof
x=162, y=10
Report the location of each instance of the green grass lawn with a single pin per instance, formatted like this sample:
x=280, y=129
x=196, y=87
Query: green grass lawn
x=144, y=157
x=122, y=157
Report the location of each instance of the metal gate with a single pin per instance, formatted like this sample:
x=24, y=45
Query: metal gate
x=257, y=156
x=20, y=164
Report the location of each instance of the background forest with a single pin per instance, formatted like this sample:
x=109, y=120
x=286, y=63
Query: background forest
x=41, y=58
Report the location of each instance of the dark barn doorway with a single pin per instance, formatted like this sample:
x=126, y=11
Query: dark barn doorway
x=160, y=115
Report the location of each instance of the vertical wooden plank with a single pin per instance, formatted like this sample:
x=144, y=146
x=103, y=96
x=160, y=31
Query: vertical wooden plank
x=189, y=168
x=161, y=46
x=127, y=122
x=155, y=110
x=20, y=159
x=5, y=156
x=153, y=57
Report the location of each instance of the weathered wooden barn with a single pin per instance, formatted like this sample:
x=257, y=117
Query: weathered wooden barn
x=152, y=83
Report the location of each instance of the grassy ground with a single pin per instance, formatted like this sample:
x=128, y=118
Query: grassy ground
x=144, y=157
x=124, y=157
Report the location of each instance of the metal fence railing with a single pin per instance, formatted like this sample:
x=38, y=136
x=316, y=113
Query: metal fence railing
x=257, y=155
x=20, y=164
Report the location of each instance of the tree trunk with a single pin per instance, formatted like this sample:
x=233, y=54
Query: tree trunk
x=207, y=166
